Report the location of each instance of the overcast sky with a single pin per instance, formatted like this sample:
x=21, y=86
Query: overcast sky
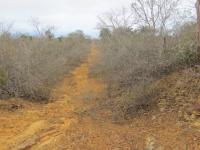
x=65, y=15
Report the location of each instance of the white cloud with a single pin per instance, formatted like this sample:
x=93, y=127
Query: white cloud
x=66, y=15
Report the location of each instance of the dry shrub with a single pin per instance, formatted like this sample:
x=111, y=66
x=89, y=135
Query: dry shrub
x=132, y=59
x=31, y=66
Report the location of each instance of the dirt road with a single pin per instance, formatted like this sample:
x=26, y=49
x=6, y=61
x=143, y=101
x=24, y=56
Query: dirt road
x=62, y=124
x=36, y=126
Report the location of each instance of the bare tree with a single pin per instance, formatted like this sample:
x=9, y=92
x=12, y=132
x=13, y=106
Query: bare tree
x=121, y=18
x=6, y=28
x=40, y=30
x=36, y=25
x=154, y=14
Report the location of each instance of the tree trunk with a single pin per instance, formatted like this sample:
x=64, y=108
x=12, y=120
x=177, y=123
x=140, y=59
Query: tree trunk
x=198, y=26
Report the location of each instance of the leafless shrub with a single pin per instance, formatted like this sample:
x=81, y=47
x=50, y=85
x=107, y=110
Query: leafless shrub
x=140, y=45
x=132, y=59
x=31, y=66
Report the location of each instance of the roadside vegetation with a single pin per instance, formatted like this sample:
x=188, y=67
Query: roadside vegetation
x=30, y=66
x=139, y=46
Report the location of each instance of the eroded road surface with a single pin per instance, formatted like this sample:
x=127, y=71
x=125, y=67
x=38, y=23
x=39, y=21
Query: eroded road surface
x=63, y=124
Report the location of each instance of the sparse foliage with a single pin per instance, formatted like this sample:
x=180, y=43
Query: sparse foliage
x=31, y=66
x=132, y=58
